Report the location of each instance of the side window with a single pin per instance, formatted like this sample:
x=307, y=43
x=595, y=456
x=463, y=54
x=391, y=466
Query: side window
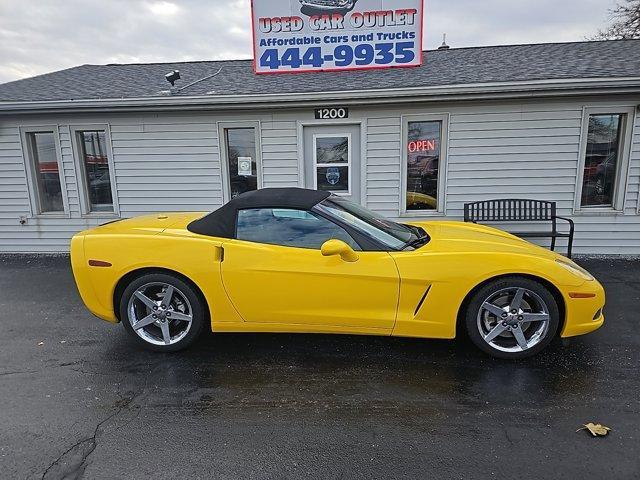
x=332, y=160
x=289, y=228
x=423, y=158
x=242, y=160
x=424, y=164
x=605, y=153
x=44, y=172
x=95, y=169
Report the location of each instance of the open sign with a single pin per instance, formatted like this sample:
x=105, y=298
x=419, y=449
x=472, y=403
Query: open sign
x=422, y=145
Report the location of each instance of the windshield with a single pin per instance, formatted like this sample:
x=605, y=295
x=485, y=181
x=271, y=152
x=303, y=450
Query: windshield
x=394, y=235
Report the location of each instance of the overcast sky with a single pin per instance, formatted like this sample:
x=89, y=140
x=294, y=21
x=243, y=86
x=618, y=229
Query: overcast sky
x=39, y=36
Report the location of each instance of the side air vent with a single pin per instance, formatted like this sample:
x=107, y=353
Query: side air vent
x=424, y=295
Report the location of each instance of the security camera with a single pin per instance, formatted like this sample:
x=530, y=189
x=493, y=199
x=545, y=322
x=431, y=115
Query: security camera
x=172, y=77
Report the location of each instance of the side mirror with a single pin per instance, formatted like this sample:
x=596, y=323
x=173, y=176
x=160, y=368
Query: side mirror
x=338, y=247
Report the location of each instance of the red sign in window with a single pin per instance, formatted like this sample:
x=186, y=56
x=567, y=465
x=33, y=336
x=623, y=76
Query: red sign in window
x=422, y=145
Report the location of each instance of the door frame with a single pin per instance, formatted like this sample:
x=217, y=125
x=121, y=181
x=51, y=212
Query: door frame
x=361, y=123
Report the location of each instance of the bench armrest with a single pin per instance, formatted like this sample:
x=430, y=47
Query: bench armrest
x=571, y=231
x=571, y=224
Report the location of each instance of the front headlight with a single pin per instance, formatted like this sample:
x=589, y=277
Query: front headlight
x=576, y=270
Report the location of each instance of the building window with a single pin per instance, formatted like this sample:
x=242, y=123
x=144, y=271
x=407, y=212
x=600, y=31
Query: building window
x=604, y=158
x=241, y=159
x=45, y=172
x=601, y=160
x=425, y=149
x=288, y=228
x=332, y=163
x=96, y=174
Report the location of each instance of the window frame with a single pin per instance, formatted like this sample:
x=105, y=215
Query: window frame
x=223, y=153
x=29, y=166
x=316, y=214
x=85, y=203
x=349, y=163
x=443, y=162
x=622, y=173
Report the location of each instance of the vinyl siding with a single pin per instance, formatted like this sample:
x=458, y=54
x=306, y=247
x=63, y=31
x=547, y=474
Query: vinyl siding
x=166, y=163
x=13, y=184
x=279, y=153
x=632, y=202
x=172, y=162
x=519, y=150
x=523, y=166
x=383, y=142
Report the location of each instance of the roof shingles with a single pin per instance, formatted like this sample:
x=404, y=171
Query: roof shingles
x=512, y=63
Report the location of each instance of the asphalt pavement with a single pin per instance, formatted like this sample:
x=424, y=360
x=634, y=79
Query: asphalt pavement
x=79, y=400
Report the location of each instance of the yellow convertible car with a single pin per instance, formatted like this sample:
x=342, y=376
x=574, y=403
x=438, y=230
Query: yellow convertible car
x=294, y=260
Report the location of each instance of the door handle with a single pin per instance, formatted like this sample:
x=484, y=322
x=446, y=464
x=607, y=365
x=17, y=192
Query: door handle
x=220, y=254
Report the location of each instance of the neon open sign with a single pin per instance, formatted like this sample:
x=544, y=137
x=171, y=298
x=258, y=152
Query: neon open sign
x=422, y=145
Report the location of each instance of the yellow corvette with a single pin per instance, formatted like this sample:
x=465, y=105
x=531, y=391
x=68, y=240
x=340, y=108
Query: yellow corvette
x=294, y=260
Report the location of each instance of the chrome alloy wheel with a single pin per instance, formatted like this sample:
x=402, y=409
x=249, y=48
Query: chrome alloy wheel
x=513, y=319
x=160, y=313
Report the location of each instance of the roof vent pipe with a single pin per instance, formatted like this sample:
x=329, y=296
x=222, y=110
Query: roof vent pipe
x=444, y=45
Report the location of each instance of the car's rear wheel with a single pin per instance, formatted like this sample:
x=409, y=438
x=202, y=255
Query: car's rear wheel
x=512, y=317
x=162, y=312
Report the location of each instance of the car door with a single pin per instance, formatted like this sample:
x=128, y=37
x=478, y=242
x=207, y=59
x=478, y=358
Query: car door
x=274, y=272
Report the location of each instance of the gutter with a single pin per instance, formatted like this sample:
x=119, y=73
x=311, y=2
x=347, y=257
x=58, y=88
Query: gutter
x=479, y=91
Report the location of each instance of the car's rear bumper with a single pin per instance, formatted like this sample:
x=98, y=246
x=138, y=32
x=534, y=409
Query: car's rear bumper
x=584, y=309
x=83, y=281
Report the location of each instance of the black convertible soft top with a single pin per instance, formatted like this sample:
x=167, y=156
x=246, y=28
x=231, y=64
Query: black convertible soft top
x=222, y=222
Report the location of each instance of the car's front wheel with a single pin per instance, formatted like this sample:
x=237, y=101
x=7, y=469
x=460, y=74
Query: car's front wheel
x=162, y=312
x=512, y=317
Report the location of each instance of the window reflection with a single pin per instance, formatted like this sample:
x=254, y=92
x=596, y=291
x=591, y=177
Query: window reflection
x=289, y=228
x=423, y=158
x=96, y=170
x=241, y=158
x=332, y=163
x=601, y=161
x=42, y=148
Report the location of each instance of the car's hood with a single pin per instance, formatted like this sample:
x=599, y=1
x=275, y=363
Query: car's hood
x=470, y=237
x=148, y=224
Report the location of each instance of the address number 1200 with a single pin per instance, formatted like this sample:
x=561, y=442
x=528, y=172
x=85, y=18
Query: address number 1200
x=343, y=56
x=332, y=113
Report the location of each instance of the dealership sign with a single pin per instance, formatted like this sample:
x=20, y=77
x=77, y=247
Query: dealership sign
x=327, y=35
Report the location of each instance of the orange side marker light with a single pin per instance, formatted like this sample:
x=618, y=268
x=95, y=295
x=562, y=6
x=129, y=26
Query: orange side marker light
x=99, y=263
x=581, y=295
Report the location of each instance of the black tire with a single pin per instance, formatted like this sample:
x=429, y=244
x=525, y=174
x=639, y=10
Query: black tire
x=474, y=319
x=193, y=297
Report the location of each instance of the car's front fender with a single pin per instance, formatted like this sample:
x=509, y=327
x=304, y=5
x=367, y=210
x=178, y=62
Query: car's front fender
x=451, y=276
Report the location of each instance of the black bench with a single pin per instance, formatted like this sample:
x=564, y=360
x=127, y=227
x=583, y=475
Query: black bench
x=521, y=210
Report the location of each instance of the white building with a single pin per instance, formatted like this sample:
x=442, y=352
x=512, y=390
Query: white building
x=558, y=122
